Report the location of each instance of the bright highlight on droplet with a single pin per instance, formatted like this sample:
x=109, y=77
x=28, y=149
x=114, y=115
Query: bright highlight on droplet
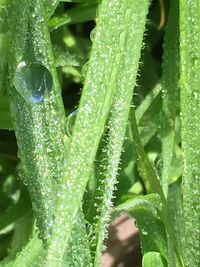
x=70, y=122
x=33, y=81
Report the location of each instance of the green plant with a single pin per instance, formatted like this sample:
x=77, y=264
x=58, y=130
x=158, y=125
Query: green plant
x=79, y=168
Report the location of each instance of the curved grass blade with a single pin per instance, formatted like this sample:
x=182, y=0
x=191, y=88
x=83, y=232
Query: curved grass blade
x=27, y=256
x=80, y=1
x=14, y=212
x=4, y=44
x=152, y=183
x=127, y=172
x=50, y=6
x=73, y=16
x=152, y=259
x=152, y=231
x=145, y=168
x=190, y=124
x=118, y=118
x=170, y=92
x=111, y=69
x=170, y=107
x=147, y=104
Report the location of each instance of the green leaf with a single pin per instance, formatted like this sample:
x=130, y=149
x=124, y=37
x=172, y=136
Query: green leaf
x=149, y=109
x=152, y=231
x=152, y=259
x=27, y=256
x=38, y=124
x=175, y=200
x=50, y=7
x=73, y=16
x=80, y=1
x=77, y=253
x=78, y=250
x=4, y=44
x=14, y=212
x=116, y=126
x=144, y=166
x=170, y=96
x=111, y=72
x=190, y=125
x=127, y=172
x=23, y=230
x=64, y=59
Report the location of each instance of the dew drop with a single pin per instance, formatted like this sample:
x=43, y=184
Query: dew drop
x=84, y=69
x=158, y=166
x=92, y=34
x=33, y=81
x=70, y=122
x=144, y=232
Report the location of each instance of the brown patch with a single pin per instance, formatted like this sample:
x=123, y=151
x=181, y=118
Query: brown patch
x=123, y=247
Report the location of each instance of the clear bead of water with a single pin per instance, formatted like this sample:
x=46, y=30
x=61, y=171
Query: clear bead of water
x=33, y=81
x=70, y=122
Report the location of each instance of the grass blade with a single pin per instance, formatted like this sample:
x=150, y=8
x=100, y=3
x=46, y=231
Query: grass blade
x=144, y=209
x=74, y=16
x=78, y=250
x=39, y=125
x=110, y=72
x=175, y=200
x=145, y=168
x=50, y=7
x=15, y=212
x=190, y=124
x=152, y=183
x=170, y=91
x=4, y=44
x=152, y=259
x=112, y=149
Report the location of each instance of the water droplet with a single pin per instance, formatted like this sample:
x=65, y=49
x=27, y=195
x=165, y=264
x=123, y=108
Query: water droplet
x=92, y=34
x=33, y=81
x=70, y=122
x=158, y=165
x=103, y=87
x=84, y=69
x=135, y=223
x=144, y=232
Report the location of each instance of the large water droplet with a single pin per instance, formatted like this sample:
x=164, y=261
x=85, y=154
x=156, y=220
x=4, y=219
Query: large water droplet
x=33, y=81
x=70, y=122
